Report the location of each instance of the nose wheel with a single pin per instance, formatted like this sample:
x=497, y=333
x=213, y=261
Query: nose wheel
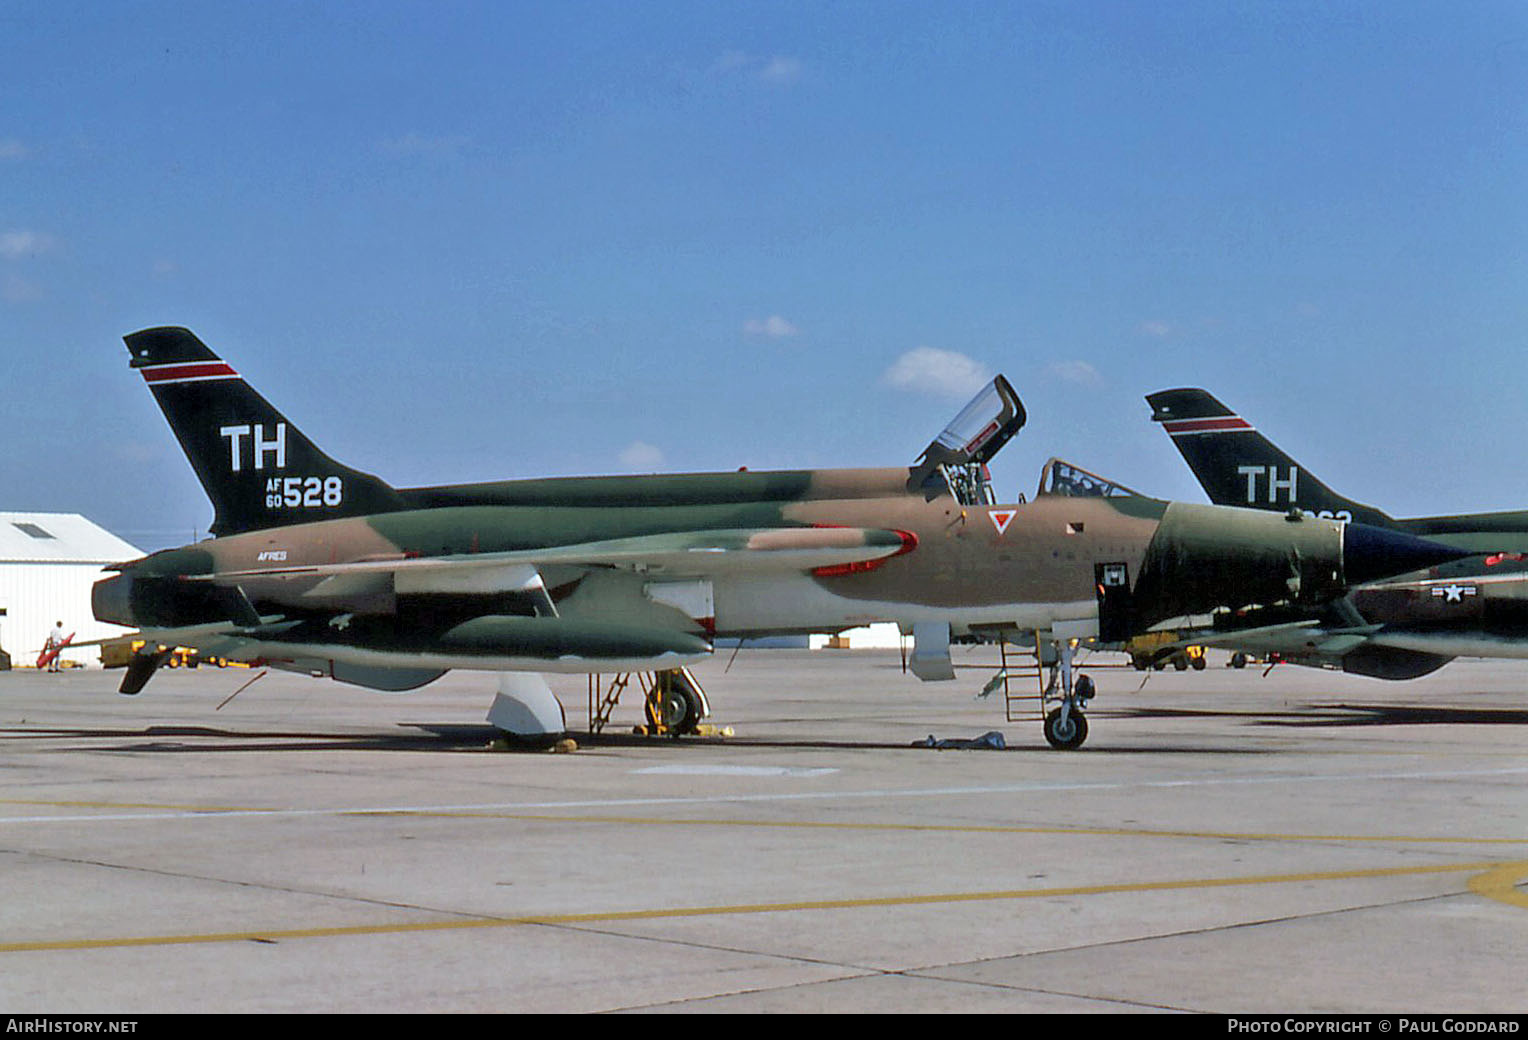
x=1062, y=696
x=1066, y=727
x=1066, y=730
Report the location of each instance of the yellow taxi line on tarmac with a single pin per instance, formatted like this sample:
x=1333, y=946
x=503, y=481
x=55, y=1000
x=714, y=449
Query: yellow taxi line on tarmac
x=1107, y=832
x=1494, y=882
x=1501, y=884
x=1120, y=832
x=60, y=804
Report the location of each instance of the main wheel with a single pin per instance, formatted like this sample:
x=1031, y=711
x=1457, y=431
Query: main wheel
x=674, y=705
x=1067, y=736
x=678, y=712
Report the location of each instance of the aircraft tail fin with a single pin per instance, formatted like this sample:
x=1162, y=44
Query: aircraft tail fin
x=258, y=468
x=1237, y=466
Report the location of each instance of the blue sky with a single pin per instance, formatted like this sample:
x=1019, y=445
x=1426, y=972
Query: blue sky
x=462, y=241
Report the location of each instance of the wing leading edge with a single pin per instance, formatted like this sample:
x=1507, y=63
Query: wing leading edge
x=682, y=554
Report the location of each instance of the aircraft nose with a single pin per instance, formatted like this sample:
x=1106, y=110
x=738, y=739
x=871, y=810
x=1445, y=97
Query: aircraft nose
x=1371, y=553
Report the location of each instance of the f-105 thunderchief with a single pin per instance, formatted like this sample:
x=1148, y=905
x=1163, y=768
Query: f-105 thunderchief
x=320, y=568
x=1399, y=629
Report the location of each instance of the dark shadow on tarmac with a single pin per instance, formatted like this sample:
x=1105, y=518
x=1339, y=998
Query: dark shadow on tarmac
x=1408, y=715
x=1316, y=716
x=206, y=738
x=461, y=738
x=409, y=737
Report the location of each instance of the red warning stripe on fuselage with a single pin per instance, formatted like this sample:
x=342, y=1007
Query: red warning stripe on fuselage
x=188, y=372
x=835, y=570
x=1221, y=424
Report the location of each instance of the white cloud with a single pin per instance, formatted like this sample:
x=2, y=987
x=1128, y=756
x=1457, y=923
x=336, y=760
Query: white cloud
x=639, y=455
x=16, y=244
x=1155, y=328
x=1074, y=372
x=774, y=326
x=10, y=148
x=942, y=373
x=778, y=69
x=781, y=70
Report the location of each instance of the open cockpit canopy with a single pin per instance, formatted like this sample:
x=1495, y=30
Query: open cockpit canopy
x=958, y=457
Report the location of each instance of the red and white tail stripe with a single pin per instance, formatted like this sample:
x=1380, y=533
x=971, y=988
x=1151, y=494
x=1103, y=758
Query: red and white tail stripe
x=1219, y=424
x=187, y=372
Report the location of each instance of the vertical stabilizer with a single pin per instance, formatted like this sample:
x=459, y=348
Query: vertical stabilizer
x=1237, y=466
x=256, y=467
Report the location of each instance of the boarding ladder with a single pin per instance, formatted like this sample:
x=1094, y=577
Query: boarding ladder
x=673, y=702
x=1023, y=702
x=603, y=699
x=1022, y=678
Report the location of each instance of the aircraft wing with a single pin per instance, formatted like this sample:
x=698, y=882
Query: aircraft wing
x=1296, y=638
x=1303, y=642
x=221, y=638
x=1358, y=649
x=683, y=554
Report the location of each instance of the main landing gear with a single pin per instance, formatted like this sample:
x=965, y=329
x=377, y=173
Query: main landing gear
x=673, y=703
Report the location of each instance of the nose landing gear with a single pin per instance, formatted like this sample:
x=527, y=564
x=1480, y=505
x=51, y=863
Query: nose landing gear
x=1066, y=727
x=1061, y=695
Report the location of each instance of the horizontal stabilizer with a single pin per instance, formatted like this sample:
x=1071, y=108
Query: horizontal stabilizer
x=192, y=635
x=140, y=669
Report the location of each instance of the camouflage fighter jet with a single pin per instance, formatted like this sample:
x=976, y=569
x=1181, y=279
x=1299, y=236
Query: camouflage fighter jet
x=1476, y=606
x=321, y=568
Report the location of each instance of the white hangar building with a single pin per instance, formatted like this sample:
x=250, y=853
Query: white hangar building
x=48, y=562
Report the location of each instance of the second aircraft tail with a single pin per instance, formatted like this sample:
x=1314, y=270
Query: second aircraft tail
x=1237, y=466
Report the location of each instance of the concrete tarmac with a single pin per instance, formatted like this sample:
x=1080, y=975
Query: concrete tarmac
x=1225, y=842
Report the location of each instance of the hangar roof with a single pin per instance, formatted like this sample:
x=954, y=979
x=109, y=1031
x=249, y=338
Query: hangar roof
x=59, y=538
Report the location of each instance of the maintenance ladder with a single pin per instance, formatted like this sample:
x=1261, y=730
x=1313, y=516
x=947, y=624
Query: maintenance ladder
x=603, y=699
x=653, y=685
x=1019, y=705
x=1019, y=666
